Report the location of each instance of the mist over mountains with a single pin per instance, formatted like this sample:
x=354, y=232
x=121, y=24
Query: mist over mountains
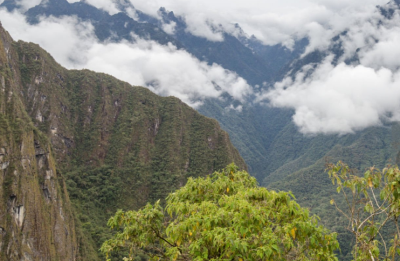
x=229, y=74
x=228, y=70
x=155, y=48
x=294, y=84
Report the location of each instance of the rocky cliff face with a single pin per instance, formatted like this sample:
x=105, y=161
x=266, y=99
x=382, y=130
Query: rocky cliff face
x=114, y=145
x=36, y=221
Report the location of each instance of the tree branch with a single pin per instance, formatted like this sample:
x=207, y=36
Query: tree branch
x=372, y=215
x=162, y=238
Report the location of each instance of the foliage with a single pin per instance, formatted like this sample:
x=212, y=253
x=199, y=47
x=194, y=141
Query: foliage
x=224, y=216
x=373, y=203
x=93, y=193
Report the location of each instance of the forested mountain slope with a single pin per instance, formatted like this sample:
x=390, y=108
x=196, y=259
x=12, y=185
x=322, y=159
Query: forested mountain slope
x=115, y=145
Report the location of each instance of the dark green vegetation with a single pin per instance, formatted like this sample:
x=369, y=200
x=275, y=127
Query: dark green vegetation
x=114, y=146
x=224, y=216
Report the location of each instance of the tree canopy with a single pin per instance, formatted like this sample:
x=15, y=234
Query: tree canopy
x=224, y=216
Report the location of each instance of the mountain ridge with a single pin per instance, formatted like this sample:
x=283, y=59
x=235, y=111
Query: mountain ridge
x=112, y=145
x=37, y=221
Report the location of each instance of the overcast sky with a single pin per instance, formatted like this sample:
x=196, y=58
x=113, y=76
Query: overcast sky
x=334, y=99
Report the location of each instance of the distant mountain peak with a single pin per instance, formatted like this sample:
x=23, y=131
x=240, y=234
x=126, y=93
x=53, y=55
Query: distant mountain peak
x=167, y=15
x=390, y=9
x=44, y=2
x=11, y=5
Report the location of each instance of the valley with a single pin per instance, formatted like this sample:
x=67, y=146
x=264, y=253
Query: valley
x=77, y=145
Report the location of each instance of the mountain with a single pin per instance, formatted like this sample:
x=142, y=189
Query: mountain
x=114, y=27
x=258, y=130
x=37, y=221
x=276, y=152
x=253, y=130
x=113, y=145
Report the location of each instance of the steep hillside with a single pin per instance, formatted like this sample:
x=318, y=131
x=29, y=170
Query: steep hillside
x=36, y=221
x=253, y=130
x=118, y=146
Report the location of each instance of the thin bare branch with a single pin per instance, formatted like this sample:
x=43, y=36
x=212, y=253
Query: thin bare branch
x=372, y=257
x=376, y=201
x=372, y=215
x=384, y=244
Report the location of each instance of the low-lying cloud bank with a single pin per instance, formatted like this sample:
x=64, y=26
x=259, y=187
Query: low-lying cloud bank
x=340, y=99
x=346, y=98
x=164, y=69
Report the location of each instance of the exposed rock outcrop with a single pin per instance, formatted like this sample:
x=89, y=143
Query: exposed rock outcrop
x=33, y=225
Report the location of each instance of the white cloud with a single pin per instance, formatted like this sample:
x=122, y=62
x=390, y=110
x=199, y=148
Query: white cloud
x=27, y=4
x=381, y=44
x=340, y=99
x=347, y=98
x=131, y=12
x=198, y=24
x=386, y=53
x=239, y=108
x=169, y=28
x=66, y=39
x=164, y=69
x=271, y=21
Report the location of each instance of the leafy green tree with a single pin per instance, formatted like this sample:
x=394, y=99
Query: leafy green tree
x=224, y=216
x=373, y=204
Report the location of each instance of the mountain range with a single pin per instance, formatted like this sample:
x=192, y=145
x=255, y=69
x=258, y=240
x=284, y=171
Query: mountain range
x=96, y=152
